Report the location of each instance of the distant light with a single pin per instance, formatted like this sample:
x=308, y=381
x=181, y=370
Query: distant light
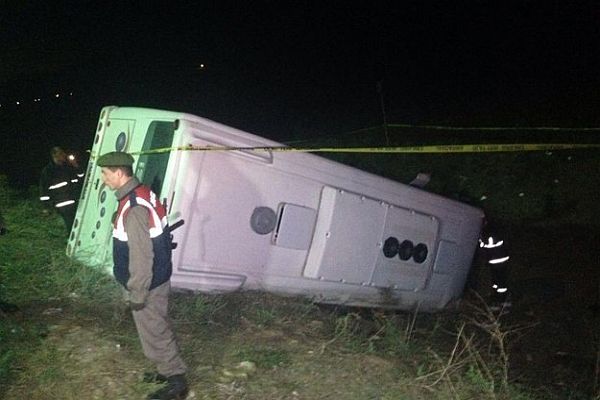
x=483, y=197
x=521, y=194
x=57, y=95
x=70, y=93
x=18, y=102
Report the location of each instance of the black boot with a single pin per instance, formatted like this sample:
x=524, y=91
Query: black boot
x=176, y=389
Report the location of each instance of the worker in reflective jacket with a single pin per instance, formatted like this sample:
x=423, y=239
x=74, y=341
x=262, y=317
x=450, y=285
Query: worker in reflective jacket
x=495, y=255
x=142, y=264
x=60, y=184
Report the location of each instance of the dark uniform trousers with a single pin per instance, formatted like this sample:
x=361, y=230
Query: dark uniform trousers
x=157, y=337
x=67, y=213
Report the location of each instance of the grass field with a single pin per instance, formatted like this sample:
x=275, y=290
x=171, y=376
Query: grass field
x=73, y=338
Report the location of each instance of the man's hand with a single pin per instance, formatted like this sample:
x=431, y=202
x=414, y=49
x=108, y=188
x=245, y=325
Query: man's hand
x=136, y=306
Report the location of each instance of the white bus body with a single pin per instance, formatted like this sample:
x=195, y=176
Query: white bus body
x=284, y=222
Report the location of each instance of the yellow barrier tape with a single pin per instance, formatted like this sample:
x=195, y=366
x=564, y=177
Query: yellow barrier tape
x=461, y=148
x=495, y=128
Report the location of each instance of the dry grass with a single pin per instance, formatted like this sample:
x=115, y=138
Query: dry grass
x=74, y=339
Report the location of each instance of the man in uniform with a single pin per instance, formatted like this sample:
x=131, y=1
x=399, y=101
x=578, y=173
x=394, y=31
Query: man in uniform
x=142, y=264
x=60, y=185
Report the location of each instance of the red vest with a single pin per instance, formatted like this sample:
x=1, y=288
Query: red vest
x=142, y=196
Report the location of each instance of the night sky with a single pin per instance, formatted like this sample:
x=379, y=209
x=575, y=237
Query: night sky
x=291, y=70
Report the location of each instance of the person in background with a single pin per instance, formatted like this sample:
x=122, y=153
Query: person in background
x=60, y=185
x=494, y=254
x=2, y=225
x=142, y=264
x=5, y=307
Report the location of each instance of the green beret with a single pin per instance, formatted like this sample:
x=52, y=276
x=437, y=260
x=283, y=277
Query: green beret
x=115, y=159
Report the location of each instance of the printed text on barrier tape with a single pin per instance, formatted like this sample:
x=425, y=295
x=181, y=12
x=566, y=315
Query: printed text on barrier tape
x=466, y=148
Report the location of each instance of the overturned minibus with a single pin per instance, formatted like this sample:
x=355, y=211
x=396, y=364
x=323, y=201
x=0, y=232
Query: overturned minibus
x=283, y=222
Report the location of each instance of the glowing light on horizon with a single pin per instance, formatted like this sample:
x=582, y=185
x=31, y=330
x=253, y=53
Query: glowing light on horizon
x=15, y=102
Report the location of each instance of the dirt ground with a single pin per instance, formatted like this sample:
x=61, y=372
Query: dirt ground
x=81, y=360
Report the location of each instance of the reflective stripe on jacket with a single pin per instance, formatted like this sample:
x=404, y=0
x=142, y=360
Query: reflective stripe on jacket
x=59, y=185
x=493, y=250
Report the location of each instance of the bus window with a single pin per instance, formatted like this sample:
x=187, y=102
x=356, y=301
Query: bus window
x=151, y=168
